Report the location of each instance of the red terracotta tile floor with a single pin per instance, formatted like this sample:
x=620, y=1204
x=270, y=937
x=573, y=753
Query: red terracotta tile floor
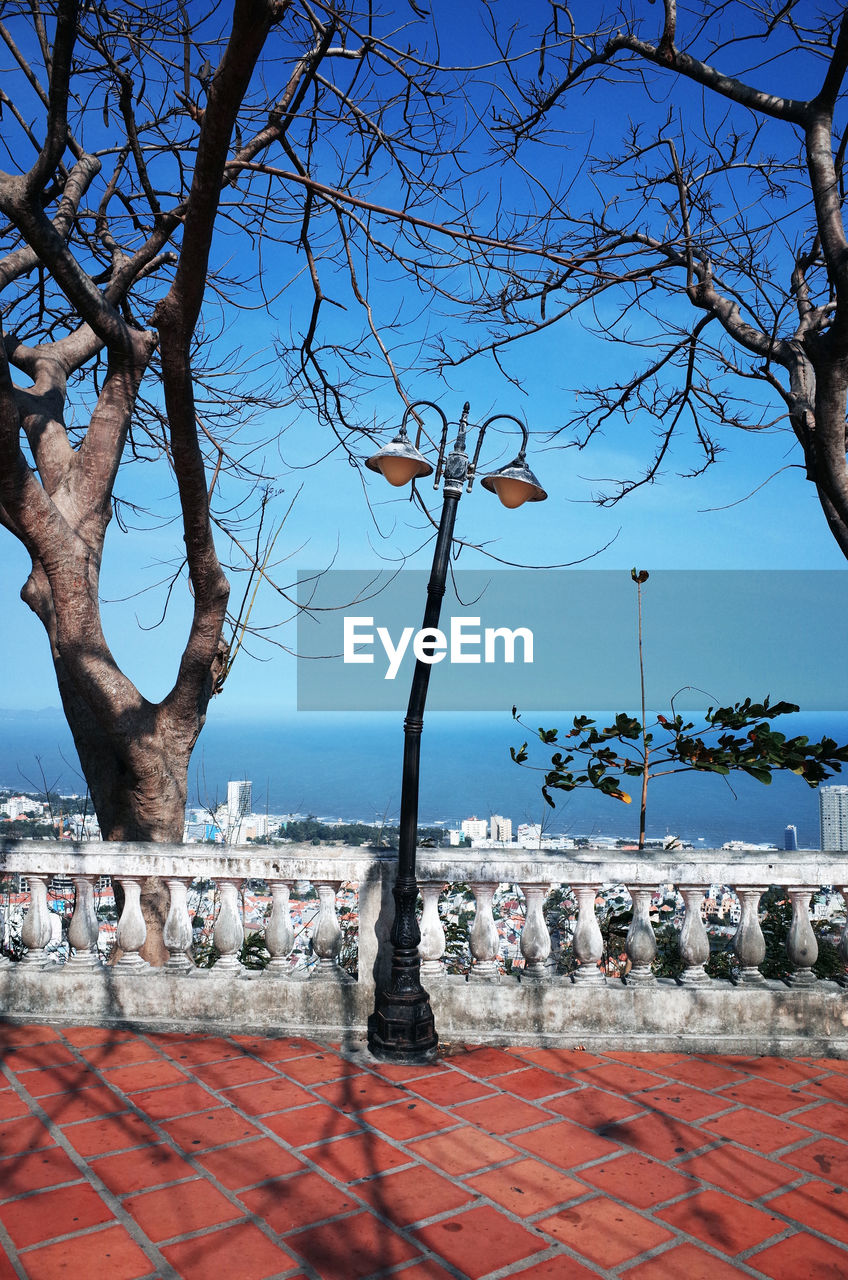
x=161, y=1157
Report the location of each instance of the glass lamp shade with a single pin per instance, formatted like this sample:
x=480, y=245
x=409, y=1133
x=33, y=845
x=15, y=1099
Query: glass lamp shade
x=399, y=471
x=400, y=462
x=514, y=484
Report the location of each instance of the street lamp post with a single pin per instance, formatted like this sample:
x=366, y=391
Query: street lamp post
x=402, y=1026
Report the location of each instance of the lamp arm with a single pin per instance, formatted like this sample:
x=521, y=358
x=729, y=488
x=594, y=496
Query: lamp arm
x=410, y=408
x=472, y=470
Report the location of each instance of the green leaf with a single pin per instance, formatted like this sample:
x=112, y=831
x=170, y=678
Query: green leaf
x=762, y=775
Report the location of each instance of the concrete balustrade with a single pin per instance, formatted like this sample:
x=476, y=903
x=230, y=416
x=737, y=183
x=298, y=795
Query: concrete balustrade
x=177, y=934
x=83, y=929
x=749, y=943
x=514, y=990
x=640, y=944
x=279, y=931
x=36, y=930
x=483, y=938
x=694, y=943
x=433, y=938
x=535, y=938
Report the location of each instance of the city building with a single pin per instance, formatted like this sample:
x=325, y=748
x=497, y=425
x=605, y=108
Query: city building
x=82, y=826
x=17, y=806
x=790, y=838
x=833, y=815
x=530, y=835
x=475, y=828
x=239, y=801
x=500, y=828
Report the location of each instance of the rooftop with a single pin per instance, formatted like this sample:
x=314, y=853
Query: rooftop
x=135, y=1155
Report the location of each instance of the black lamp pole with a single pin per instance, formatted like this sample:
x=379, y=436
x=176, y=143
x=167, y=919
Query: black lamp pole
x=402, y=1023
x=402, y=1026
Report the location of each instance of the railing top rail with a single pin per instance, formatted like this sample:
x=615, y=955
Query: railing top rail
x=594, y=866
x=345, y=862
x=200, y=862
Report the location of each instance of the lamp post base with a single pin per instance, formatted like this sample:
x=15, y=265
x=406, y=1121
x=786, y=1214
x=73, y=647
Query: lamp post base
x=402, y=1028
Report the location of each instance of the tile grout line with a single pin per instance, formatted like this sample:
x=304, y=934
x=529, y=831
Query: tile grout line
x=99, y=1187
x=506, y=1139
x=12, y=1253
x=309, y=1165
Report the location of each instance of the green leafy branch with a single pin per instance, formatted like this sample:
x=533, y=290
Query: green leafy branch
x=738, y=738
x=598, y=757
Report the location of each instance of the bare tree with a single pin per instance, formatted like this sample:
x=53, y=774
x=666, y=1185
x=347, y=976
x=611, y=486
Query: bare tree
x=131, y=135
x=164, y=167
x=684, y=184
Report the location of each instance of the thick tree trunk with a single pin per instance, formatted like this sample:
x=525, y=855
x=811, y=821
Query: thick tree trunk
x=138, y=784
x=135, y=757
x=137, y=780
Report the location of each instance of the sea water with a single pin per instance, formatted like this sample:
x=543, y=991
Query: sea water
x=348, y=765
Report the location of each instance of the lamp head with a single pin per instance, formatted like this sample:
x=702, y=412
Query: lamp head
x=399, y=461
x=514, y=484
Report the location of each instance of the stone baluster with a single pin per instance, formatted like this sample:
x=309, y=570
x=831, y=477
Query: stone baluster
x=588, y=942
x=484, y=939
x=228, y=933
x=327, y=933
x=132, y=931
x=801, y=945
x=843, y=938
x=83, y=929
x=640, y=943
x=36, y=930
x=279, y=933
x=433, y=941
x=748, y=941
x=177, y=934
x=535, y=938
x=694, y=942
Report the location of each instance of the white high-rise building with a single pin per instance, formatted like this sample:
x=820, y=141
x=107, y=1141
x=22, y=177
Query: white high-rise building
x=500, y=828
x=239, y=801
x=475, y=829
x=833, y=813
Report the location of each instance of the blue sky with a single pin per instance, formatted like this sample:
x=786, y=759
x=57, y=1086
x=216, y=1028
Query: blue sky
x=674, y=524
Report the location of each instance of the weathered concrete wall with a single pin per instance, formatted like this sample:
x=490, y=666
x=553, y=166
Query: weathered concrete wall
x=722, y=1018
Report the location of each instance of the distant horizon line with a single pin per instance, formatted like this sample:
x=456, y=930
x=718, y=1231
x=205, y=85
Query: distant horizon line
x=290, y=712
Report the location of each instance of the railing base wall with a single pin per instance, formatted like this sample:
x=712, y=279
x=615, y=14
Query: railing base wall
x=661, y=1018
x=720, y=1018
x=169, y=1002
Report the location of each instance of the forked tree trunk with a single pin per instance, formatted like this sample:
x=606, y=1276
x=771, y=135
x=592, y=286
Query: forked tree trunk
x=134, y=754
x=137, y=780
x=136, y=769
x=58, y=500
